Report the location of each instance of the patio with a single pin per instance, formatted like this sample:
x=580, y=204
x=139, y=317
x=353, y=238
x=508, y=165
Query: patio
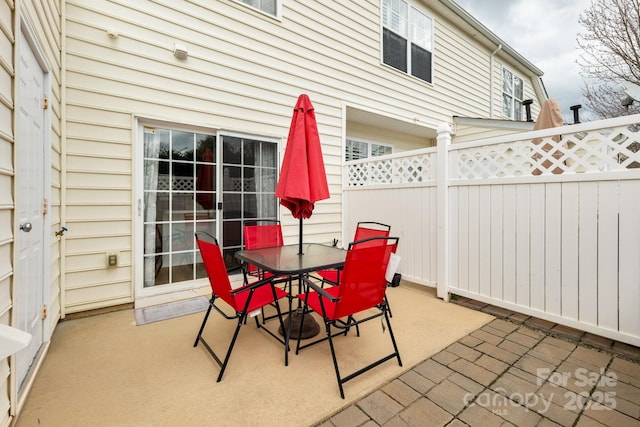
x=466, y=367
x=563, y=350
x=105, y=370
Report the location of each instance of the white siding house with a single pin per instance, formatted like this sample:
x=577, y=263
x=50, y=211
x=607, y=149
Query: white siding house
x=139, y=92
x=30, y=185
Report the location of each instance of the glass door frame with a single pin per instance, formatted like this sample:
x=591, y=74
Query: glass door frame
x=222, y=191
x=144, y=296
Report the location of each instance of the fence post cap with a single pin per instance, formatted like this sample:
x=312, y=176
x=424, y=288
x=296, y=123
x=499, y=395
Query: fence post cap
x=444, y=128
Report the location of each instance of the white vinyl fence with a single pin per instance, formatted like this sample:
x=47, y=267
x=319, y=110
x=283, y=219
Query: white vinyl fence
x=545, y=223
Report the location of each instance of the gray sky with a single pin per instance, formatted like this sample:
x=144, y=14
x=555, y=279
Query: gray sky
x=544, y=32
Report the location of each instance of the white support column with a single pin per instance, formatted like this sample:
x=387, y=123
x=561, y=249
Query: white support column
x=444, y=140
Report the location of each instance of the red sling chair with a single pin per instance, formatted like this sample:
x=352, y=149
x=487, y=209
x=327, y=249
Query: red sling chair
x=242, y=300
x=264, y=234
x=364, y=230
x=362, y=287
x=261, y=236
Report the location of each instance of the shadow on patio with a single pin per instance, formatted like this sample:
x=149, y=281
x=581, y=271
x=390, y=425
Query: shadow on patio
x=105, y=370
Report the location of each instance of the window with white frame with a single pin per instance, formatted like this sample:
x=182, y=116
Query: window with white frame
x=407, y=39
x=271, y=7
x=512, y=95
x=357, y=149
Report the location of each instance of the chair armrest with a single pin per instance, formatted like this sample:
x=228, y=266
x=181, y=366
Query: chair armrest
x=320, y=290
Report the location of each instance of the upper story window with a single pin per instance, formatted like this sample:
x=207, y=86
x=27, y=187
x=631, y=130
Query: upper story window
x=356, y=149
x=512, y=95
x=271, y=7
x=407, y=39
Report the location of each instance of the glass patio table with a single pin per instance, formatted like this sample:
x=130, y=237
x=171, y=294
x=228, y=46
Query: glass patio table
x=286, y=261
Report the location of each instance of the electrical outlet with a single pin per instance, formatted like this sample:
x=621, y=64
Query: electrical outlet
x=112, y=260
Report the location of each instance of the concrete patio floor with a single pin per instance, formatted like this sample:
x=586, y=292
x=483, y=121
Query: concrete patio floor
x=465, y=363
x=106, y=371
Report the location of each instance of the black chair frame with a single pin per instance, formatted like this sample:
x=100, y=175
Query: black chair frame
x=276, y=280
x=241, y=317
x=344, y=327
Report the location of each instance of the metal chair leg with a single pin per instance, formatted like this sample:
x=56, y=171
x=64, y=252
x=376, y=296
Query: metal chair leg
x=335, y=360
x=393, y=338
x=233, y=341
x=204, y=322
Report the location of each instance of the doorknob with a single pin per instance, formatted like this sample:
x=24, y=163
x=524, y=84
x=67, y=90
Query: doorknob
x=26, y=227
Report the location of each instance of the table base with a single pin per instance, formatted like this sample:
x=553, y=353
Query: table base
x=310, y=327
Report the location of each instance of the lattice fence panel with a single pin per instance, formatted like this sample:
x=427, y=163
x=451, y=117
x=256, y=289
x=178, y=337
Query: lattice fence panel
x=396, y=170
x=600, y=150
x=177, y=184
x=185, y=184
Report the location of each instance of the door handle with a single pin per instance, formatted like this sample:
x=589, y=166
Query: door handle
x=26, y=227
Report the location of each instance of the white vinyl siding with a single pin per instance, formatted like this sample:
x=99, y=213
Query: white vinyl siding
x=6, y=200
x=244, y=73
x=44, y=17
x=6, y=191
x=474, y=133
x=389, y=137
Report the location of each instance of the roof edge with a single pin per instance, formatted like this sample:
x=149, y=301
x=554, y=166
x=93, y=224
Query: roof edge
x=477, y=25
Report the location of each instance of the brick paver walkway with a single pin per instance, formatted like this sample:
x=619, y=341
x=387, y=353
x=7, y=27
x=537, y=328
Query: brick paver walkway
x=508, y=374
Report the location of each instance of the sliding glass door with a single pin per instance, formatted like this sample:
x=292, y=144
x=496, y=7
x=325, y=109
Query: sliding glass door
x=249, y=176
x=196, y=181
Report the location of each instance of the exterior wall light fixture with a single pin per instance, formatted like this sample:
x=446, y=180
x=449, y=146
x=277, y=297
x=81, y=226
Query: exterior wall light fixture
x=180, y=51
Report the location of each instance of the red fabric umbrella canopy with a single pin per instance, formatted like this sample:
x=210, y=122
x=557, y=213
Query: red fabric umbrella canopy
x=303, y=180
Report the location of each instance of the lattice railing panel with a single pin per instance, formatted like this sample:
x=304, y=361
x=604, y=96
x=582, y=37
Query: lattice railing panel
x=600, y=150
x=494, y=161
x=182, y=184
x=395, y=170
x=185, y=184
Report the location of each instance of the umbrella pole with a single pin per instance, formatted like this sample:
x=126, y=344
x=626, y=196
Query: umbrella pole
x=300, y=237
x=310, y=327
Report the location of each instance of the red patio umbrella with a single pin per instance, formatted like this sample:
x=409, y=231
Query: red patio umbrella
x=303, y=180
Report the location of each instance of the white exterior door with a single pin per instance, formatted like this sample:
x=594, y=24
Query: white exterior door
x=29, y=240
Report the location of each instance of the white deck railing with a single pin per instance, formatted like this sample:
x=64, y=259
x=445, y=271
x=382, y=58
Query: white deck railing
x=546, y=223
